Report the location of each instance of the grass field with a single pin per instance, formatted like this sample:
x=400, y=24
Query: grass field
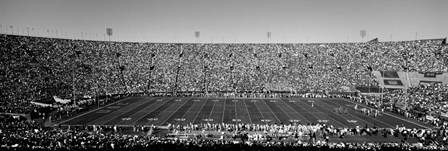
x=183, y=110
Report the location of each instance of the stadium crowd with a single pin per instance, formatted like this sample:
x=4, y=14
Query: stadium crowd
x=34, y=68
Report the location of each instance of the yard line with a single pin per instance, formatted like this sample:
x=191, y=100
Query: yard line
x=272, y=112
x=223, y=110
x=245, y=106
x=199, y=111
x=326, y=115
x=236, y=116
x=259, y=111
x=318, y=103
x=281, y=109
x=183, y=116
x=158, y=111
x=337, y=115
x=376, y=120
x=392, y=115
x=92, y=111
x=295, y=111
x=174, y=111
x=211, y=112
x=142, y=113
x=103, y=120
x=119, y=119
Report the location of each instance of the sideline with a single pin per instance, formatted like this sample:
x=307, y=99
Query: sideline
x=91, y=111
x=413, y=122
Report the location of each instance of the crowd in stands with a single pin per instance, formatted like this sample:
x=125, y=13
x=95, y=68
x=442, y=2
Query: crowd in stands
x=34, y=68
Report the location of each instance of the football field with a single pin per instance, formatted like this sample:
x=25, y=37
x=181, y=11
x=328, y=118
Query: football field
x=185, y=110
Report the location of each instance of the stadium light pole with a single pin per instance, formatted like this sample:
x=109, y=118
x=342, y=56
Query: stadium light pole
x=73, y=73
x=177, y=71
x=363, y=34
x=197, y=34
x=151, y=68
x=268, y=35
x=205, y=70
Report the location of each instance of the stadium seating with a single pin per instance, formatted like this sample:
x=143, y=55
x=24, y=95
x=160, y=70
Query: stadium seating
x=36, y=68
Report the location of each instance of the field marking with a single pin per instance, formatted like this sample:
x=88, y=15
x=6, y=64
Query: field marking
x=185, y=102
x=103, y=111
x=391, y=115
x=290, y=118
x=213, y=107
x=236, y=114
x=205, y=102
x=247, y=110
x=295, y=102
x=319, y=103
x=88, y=112
x=123, y=104
x=272, y=111
x=328, y=115
x=295, y=110
x=125, y=109
x=183, y=116
x=262, y=116
x=158, y=113
x=357, y=116
x=144, y=110
x=224, y=110
x=324, y=116
x=114, y=107
x=374, y=119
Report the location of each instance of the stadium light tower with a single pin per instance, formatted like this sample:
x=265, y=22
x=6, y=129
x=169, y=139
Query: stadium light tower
x=197, y=34
x=268, y=34
x=363, y=34
x=109, y=32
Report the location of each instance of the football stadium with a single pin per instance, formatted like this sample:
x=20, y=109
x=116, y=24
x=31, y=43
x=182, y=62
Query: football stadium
x=62, y=90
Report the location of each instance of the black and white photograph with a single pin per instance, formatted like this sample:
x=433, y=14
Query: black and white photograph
x=223, y=75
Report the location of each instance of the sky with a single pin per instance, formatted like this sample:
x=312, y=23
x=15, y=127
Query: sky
x=228, y=21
